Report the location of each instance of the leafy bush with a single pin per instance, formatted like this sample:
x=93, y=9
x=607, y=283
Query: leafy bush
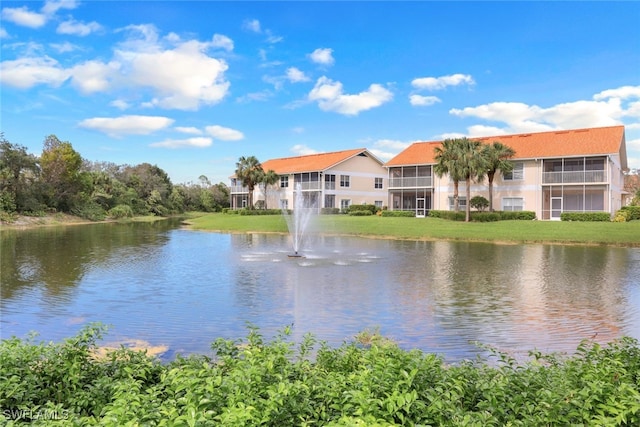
x=369, y=381
x=329, y=211
x=633, y=212
x=585, y=216
x=358, y=208
x=259, y=211
x=90, y=210
x=517, y=215
x=120, y=211
x=360, y=213
x=485, y=216
x=408, y=214
x=478, y=202
x=450, y=215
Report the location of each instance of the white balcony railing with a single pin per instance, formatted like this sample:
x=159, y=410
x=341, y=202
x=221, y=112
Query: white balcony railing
x=235, y=189
x=310, y=185
x=410, y=182
x=573, y=177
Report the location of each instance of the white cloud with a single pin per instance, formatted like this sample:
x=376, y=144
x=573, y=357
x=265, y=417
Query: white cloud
x=437, y=83
x=120, y=104
x=423, y=101
x=295, y=75
x=329, y=96
x=223, y=133
x=386, y=149
x=126, y=125
x=76, y=28
x=197, y=142
x=189, y=130
x=297, y=130
x=623, y=92
x=303, y=150
x=52, y=6
x=64, y=47
x=24, y=73
x=222, y=42
x=322, y=56
x=24, y=17
x=93, y=76
x=252, y=25
x=4, y=34
x=183, y=78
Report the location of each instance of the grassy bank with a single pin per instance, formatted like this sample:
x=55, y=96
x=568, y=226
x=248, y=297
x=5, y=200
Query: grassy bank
x=591, y=233
x=273, y=382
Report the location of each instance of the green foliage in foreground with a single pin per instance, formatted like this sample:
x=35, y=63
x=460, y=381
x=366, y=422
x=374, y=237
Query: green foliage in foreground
x=275, y=383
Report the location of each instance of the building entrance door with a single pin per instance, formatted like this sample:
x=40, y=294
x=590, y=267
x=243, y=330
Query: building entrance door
x=421, y=207
x=556, y=208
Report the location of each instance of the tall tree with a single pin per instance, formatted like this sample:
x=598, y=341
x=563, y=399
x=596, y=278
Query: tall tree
x=60, y=165
x=18, y=172
x=270, y=177
x=447, y=163
x=249, y=171
x=497, y=157
x=460, y=158
x=472, y=167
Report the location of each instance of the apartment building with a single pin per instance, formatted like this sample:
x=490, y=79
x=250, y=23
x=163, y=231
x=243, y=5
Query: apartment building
x=580, y=170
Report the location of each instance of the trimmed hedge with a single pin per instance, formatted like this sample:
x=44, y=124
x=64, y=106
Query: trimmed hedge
x=585, y=216
x=360, y=213
x=484, y=216
x=407, y=214
x=359, y=208
x=259, y=211
x=329, y=211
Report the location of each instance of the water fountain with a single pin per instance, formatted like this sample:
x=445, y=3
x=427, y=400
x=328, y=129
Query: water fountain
x=298, y=221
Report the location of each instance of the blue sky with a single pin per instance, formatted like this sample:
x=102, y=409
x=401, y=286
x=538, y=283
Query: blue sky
x=193, y=85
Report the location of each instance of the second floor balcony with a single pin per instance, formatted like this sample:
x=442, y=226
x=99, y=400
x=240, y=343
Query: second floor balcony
x=411, y=182
x=573, y=177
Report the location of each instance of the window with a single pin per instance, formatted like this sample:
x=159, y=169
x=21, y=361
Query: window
x=329, y=182
x=377, y=183
x=329, y=201
x=516, y=174
x=344, y=204
x=344, y=181
x=462, y=202
x=378, y=204
x=284, y=204
x=512, y=204
x=284, y=181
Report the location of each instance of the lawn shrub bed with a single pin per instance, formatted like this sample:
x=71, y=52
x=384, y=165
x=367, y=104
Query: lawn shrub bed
x=585, y=216
x=259, y=211
x=631, y=212
x=274, y=382
x=484, y=216
x=403, y=214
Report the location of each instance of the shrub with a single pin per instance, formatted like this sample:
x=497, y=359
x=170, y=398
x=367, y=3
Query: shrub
x=633, y=212
x=120, y=211
x=585, y=216
x=480, y=203
x=450, y=215
x=485, y=216
x=517, y=215
x=360, y=213
x=259, y=212
x=358, y=208
x=407, y=214
x=329, y=211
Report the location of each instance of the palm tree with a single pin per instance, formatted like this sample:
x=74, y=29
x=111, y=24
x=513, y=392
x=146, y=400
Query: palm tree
x=249, y=172
x=269, y=177
x=447, y=164
x=472, y=166
x=496, y=155
x=460, y=158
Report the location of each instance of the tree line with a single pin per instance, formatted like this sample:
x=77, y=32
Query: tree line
x=60, y=180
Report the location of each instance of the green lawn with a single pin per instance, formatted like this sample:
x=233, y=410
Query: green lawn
x=596, y=233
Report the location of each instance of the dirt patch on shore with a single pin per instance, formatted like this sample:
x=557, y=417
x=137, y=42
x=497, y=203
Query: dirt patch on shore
x=22, y=221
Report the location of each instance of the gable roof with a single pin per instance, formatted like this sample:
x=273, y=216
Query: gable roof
x=561, y=143
x=313, y=162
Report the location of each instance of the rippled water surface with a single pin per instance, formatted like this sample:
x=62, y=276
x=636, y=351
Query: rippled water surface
x=183, y=289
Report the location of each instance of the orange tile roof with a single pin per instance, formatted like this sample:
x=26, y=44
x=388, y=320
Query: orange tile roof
x=563, y=143
x=311, y=162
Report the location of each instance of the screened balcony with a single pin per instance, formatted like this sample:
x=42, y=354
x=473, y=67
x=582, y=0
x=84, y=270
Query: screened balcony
x=410, y=177
x=574, y=171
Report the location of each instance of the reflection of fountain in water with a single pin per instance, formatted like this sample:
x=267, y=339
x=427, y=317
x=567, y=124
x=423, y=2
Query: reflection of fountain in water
x=298, y=222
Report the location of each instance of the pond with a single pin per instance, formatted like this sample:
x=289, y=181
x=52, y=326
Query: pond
x=182, y=289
